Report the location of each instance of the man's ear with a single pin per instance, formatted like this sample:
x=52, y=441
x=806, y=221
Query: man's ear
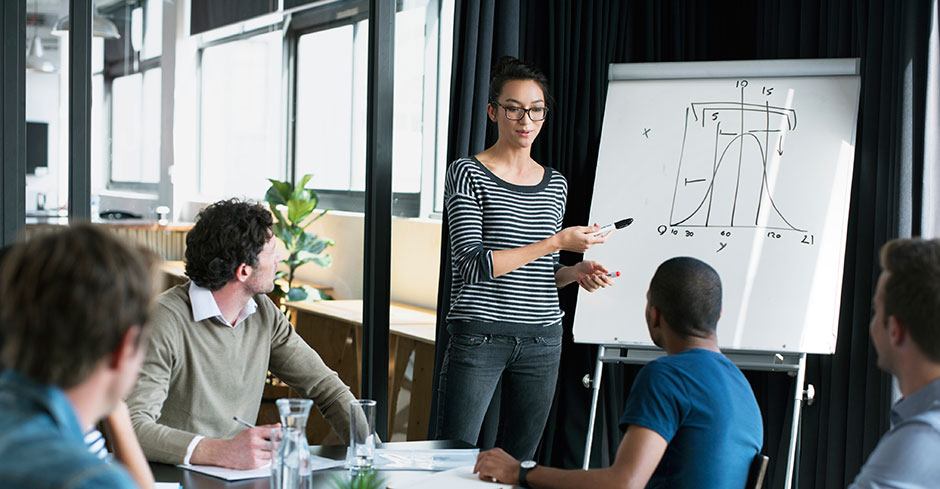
x=243, y=272
x=897, y=331
x=655, y=317
x=491, y=112
x=127, y=348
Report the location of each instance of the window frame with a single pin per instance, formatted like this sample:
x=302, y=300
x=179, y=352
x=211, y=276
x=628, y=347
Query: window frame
x=317, y=19
x=110, y=72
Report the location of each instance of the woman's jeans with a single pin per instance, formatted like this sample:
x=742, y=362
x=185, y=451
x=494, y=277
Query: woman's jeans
x=474, y=364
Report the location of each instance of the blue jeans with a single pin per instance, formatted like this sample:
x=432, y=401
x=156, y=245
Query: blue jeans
x=474, y=364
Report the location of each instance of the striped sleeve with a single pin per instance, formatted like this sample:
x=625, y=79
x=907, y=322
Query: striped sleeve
x=465, y=224
x=94, y=440
x=556, y=256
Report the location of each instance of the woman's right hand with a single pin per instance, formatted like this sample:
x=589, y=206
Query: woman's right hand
x=578, y=238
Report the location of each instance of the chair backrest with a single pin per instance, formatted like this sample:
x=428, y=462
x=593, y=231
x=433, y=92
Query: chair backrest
x=755, y=478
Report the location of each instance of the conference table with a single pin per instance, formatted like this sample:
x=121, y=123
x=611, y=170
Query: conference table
x=195, y=480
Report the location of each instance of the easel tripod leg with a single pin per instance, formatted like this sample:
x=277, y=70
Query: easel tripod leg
x=792, y=463
x=595, y=395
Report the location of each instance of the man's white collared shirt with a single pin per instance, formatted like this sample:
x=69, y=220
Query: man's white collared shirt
x=205, y=307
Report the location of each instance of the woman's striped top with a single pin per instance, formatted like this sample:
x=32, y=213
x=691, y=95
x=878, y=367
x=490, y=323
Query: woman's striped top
x=486, y=214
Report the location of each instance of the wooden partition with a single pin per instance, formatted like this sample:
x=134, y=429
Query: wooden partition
x=334, y=330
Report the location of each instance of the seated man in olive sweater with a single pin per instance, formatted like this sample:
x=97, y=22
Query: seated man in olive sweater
x=213, y=341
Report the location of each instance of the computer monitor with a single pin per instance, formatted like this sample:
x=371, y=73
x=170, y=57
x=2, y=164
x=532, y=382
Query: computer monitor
x=37, y=146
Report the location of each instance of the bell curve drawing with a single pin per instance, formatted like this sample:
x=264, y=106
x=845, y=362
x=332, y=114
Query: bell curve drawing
x=724, y=174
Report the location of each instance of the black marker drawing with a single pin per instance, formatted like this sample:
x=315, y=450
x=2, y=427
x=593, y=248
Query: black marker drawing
x=736, y=195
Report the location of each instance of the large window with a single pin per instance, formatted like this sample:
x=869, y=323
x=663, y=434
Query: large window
x=261, y=118
x=135, y=127
x=131, y=81
x=240, y=117
x=330, y=119
x=327, y=101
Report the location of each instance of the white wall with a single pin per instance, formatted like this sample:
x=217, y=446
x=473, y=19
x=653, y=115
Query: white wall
x=42, y=105
x=416, y=247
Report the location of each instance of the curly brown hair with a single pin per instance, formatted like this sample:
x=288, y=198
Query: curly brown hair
x=226, y=234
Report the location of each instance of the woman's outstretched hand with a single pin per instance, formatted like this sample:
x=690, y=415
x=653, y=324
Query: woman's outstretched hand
x=578, y=238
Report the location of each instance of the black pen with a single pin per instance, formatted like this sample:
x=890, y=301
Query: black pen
x=243, y=422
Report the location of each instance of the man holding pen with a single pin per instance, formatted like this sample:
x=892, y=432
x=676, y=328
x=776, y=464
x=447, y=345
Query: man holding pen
x=214, y=340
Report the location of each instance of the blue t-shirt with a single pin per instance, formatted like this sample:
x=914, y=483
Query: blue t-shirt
x=702, y=405
x=41, y=442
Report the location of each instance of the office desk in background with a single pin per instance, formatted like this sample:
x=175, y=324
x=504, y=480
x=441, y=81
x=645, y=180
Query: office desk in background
x=334, y=330
x=194, y=480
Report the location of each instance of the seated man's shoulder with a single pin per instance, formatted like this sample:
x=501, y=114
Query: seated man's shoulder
x=174, y=297
x=923, y=427
x=46, y=460
x=904, y=456
x=172, y=308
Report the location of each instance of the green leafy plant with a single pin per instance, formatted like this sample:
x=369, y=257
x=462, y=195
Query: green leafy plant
x=363, y=480
x=291, y=228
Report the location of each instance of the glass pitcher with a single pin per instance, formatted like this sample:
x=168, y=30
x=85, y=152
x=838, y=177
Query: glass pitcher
x=290, y=468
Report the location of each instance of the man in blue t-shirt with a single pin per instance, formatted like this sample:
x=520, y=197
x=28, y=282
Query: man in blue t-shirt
x=691, y=419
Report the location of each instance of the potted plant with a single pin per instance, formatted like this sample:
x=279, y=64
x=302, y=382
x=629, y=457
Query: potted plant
x=365, y=480
x=302, y=246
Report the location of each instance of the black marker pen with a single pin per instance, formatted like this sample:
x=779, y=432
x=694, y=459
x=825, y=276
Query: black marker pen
x=617, y=225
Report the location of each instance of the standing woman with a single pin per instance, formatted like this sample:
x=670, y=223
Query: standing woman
x=504, y=214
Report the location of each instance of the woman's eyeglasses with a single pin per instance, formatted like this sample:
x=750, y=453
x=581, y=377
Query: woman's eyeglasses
x=536, y=114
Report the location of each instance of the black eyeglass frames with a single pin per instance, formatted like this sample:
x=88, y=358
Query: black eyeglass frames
x=536, y=114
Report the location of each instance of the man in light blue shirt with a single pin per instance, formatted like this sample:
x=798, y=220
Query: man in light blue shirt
x=905, y=331
x=74, y=309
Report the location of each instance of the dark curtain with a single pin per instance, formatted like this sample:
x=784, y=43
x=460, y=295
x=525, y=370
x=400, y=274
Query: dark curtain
x=484, y=30
x=574, y=42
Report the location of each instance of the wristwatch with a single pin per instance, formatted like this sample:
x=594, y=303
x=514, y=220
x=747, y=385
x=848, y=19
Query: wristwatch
x=524, y=469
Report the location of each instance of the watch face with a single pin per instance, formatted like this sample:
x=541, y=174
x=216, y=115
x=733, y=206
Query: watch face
x=528, y=464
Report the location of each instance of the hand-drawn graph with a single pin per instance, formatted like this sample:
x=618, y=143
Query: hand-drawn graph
x=730, y=154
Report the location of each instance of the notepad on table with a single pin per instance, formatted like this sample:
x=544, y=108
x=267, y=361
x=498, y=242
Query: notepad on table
x=319, y=463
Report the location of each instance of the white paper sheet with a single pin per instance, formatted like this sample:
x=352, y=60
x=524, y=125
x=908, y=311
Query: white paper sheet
x=459, y=478
x=319, y=463
x=433, y=460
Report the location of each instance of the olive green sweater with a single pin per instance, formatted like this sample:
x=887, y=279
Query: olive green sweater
x=197, y=375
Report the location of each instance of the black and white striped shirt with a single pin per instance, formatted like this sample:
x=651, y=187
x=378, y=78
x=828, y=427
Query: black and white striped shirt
x=485, y=214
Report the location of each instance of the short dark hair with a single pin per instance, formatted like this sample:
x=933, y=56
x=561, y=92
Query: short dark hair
x=226, y=234
x=687, y=292
x=912, y=290
x=69, y=297
x=508, y=68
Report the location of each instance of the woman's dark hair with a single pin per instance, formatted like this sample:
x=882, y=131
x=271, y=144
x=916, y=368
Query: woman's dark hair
x=226, y=234
x=508, y=68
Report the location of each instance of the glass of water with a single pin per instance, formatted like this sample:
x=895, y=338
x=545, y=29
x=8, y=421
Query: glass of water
x=361, y=435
